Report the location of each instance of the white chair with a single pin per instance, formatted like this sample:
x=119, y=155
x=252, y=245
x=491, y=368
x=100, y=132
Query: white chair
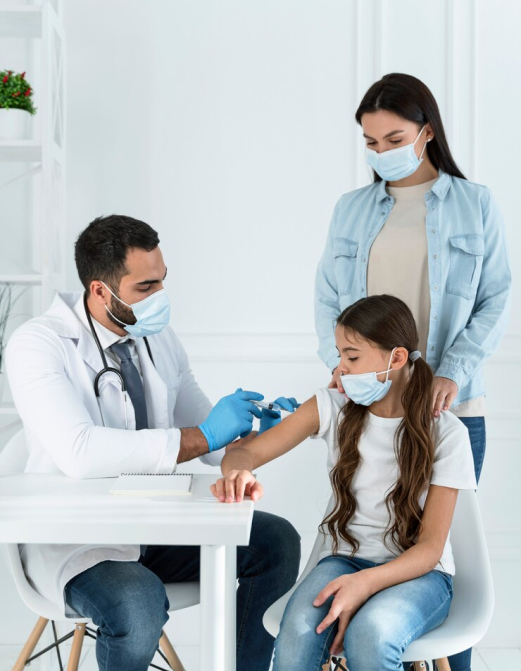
x=473, y=601
x=180, y=595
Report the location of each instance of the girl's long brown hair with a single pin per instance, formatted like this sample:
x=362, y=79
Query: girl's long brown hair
x=387, y=322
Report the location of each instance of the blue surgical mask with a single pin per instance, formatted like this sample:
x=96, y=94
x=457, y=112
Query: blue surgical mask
x=365, y=389
x=397, y=163
x=152, y=314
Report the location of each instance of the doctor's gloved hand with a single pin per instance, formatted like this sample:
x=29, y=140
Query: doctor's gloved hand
x=272, y=417
x=232, y=416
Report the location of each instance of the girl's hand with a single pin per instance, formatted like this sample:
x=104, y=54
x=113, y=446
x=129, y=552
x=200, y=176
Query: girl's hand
x=444, y=391
x=351, y=592
x=235, y=486
x=335, y=381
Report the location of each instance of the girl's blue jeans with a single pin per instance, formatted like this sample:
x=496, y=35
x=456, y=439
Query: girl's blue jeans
x=378, y=633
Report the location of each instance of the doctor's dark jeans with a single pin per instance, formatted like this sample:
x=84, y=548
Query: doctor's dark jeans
x=128, y=603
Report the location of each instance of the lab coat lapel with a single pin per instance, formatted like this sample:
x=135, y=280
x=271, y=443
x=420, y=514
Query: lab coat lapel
x=111, y=397
x=156, y=391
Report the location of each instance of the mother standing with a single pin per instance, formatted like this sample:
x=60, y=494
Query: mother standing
x=425, y=234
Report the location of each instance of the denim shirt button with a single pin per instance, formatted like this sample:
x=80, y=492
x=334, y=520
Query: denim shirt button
x=433, y=231
x=436, y=288
x=363, y=259
x=432, y=347
x=435, y=256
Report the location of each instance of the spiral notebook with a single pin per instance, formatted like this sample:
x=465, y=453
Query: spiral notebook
x=155, y=484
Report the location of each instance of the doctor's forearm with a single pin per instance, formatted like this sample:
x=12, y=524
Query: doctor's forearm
x=193, y=444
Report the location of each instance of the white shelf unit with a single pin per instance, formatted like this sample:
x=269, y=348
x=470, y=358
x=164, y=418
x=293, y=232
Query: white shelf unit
x=41, y=160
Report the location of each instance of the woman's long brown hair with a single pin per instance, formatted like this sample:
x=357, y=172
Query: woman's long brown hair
x=387, y=322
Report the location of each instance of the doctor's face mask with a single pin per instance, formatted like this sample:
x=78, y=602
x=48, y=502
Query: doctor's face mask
x=144, y=318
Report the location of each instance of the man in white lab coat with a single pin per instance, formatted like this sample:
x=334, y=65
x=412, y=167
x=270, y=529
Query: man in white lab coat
x=161, y=419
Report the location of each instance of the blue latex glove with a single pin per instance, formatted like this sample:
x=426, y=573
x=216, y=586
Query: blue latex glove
x=272, y=417
x=232, y=416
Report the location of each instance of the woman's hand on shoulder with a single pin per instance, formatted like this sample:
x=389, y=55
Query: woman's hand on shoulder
x=444, y=391
x=350, y=593
x=235, y=486
x=335, y=381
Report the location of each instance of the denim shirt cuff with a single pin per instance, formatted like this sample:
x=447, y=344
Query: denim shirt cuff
x=454, y=373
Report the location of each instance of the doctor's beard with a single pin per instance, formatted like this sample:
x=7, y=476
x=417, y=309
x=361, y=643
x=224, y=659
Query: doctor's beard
x=121, y=312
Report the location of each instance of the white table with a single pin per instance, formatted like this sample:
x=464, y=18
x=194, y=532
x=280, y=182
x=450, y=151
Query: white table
x=57, y=509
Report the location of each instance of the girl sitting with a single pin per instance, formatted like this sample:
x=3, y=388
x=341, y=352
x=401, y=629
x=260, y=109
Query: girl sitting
x=385, y=577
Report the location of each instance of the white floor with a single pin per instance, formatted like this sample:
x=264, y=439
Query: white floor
x=484, y=659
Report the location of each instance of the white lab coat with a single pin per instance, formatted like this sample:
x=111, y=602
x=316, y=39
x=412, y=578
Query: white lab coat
x=51, y=363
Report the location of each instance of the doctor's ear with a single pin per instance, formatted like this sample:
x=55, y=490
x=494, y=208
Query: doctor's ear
x=99, y=292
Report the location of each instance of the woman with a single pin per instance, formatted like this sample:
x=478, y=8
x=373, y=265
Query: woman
x=425, y=234
x=395, y=472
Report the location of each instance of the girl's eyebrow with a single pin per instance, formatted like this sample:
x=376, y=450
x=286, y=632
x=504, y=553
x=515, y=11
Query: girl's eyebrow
x=393, y=132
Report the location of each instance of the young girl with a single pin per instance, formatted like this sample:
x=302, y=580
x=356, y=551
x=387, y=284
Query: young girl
x=385, y=577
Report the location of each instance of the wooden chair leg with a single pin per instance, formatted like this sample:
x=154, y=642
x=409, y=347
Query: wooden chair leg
x=77, y=643
x=170, y=653
x=31, y=644
x=443, y=664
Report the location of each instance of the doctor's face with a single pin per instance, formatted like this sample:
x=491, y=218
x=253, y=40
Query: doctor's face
x=146, y=272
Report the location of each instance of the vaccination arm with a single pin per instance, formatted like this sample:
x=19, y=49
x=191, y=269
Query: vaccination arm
x=238, y=464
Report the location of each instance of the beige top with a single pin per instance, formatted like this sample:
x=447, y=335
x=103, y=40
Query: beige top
x=398, y=254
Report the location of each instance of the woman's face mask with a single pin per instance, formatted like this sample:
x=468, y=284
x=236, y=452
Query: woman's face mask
x=152, y=314
x=396, y=164
x=365, y=388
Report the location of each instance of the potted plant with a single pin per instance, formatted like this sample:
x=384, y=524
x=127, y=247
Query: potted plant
x=16, y=105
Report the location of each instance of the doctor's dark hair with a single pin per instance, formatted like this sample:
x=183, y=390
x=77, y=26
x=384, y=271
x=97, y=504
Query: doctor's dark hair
x=387, y=322
x=411, y=99
x=101, y=249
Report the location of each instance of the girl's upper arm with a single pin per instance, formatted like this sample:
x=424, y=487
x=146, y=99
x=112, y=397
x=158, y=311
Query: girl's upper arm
x=437, y=515
x=286, y=435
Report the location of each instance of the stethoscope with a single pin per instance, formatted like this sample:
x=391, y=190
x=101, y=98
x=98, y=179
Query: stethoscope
x=108, y=369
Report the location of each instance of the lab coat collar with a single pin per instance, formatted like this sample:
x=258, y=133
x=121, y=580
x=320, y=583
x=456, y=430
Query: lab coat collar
x=66, y=321
x=439, y=188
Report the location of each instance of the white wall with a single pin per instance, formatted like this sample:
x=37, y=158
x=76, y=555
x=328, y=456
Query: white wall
x=228, y=126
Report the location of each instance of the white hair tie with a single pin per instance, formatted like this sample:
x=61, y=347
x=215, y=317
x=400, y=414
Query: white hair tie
x=415, y=355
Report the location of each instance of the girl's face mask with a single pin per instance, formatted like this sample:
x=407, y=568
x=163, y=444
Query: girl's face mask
x=397, y=163
x=365, y=388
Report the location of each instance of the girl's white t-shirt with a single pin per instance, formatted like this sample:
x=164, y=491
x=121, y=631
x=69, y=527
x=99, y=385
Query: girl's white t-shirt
x=378, y=472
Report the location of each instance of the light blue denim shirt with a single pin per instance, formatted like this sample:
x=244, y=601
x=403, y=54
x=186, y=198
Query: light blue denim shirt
x=469, y=274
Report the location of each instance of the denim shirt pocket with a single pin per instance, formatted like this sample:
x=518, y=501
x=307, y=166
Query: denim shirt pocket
x=344, y=254
x=466, y=261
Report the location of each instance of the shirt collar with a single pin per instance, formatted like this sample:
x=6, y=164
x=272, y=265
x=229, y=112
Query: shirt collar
x=439, y=188
x=106, y=337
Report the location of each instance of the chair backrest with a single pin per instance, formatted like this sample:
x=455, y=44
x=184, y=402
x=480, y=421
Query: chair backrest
x=473, y=586
x=14, y=455
x=12, y=461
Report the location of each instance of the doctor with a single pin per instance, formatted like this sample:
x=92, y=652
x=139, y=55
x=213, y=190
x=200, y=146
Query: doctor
x=104, y=386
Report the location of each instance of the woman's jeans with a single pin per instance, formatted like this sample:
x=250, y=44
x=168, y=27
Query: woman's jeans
x=128, y=602
x=378, y=633
x=478, y=438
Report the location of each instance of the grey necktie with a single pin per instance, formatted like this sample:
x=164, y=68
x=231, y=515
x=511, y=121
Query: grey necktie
x=133, y=383
x=136, y=391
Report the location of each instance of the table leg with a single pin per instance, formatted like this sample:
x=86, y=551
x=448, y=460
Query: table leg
x=218, y=607
x=230, y=607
